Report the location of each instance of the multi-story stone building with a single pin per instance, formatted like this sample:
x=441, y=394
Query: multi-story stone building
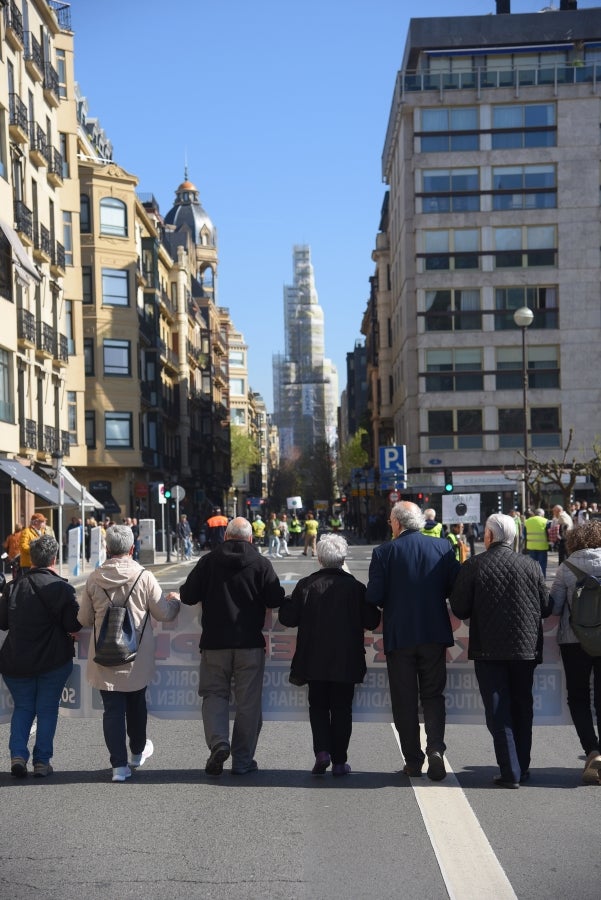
x=41, y=359
x=492, y=158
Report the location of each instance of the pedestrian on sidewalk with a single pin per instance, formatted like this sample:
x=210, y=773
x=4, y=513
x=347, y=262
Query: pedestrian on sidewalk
x=284, y=535
x=410, y=578
x=39, y=611
x=123, y=687
x=311, y=529
x=235, y=585
x=330, y=611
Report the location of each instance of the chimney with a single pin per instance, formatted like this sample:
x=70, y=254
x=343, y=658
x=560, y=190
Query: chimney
x=503, y=7
x=568, y=4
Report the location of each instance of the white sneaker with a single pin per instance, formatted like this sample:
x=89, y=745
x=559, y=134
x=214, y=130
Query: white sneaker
x=120, y=773
x=138, y=759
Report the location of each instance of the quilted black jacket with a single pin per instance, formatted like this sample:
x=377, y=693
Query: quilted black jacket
x=505, y=597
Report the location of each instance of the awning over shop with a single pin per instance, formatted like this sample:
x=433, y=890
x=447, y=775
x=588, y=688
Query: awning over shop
x=24, y=265
x=77, y=492
x=102, y=492
x=30, y=481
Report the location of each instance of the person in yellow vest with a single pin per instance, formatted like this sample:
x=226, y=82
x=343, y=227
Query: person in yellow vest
x=536, y=537
x=295, y=528
x=35, y=529
x=432, y=528
x=311, y=529
x=258, y=527
x=458, y=542
x=335, y=522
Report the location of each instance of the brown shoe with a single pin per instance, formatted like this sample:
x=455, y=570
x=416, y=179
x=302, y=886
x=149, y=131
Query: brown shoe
x=592, y=768
x=42, y=770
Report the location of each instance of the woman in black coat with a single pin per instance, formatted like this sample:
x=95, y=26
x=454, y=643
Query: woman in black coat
x=330, y=611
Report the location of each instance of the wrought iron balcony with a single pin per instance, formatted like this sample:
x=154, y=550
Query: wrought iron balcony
x=46, y=339
x=34, y=59
x=51, y=88
x=62, y=348
x=48, y=439
x=38, y=145
x=65, y=443
x=24, y=221
x=58, y=257
x=55, y=167
x=62, y=11
x=13, y=21
x=43, y=244
x=28, y=434
x=26, y=330
x=17, y=119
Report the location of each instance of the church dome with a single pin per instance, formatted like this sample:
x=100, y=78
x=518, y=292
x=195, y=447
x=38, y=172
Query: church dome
x=188, y=210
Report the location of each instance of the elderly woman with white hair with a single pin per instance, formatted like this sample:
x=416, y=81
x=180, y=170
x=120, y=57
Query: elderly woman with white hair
x=331, y=613
x=504, y=595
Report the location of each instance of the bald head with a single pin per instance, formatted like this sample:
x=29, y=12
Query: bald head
x=239, y=529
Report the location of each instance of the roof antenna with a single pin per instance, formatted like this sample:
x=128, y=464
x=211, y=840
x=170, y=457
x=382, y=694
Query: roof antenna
x=185, y=163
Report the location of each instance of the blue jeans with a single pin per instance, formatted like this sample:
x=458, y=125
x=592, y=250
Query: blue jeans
x=37, y=697
x=541, y=557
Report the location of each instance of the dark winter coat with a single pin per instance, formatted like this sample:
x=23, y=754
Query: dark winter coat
x=38, y=624
x=235, y=585
x=505, y=597
x=330, y=611
x=410, y=577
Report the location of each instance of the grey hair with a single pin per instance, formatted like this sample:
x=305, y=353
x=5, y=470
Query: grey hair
x=43, y=551
x=119, y=540
x=239, y=529
x=331, y=550
x=539, y=512
x=502, y=528
x=408, y=515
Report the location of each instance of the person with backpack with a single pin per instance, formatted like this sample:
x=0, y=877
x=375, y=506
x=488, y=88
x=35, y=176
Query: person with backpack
x=504, y=595
x=121, y=581
x=583, y=544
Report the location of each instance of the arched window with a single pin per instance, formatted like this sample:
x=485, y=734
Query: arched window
x=113, y=217
x=85, y=223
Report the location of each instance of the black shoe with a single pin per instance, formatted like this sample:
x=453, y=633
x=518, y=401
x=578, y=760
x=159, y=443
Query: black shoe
x=525, y=776
x=436, y=769
x=412, y=771
x=219, y=754
x=505, y=783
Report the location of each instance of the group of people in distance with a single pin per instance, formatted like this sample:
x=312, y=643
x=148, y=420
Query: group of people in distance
x=413, y=578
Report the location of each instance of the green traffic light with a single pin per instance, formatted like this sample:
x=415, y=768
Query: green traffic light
x=167, y=493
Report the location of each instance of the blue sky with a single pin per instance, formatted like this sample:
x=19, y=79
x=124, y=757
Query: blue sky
x=280, y=109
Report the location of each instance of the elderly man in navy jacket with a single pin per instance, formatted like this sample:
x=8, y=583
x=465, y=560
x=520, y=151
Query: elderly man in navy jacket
x=410, y=578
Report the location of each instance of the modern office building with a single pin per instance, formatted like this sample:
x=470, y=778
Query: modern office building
x=492, y=158
x=305, y=383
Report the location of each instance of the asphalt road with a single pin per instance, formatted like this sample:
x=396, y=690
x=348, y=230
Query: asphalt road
x=279, y=833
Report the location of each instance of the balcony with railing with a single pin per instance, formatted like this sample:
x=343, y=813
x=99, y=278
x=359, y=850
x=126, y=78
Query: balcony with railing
x=51, y=86
x=13, y=23
x=26, y=330
x=38, y=145
x=57, y=264
x=62, y=11
x=65, y=440
x=17, y=119
x=55, y=173
x=166, y=304
x=24, y=222
x=34, y=60
x=28, y=435
x=42, y=244
x=61, y=354
x=46, y=340
x=48, y=439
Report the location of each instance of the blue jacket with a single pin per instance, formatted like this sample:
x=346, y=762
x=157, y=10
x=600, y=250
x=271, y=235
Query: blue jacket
x=410, y=578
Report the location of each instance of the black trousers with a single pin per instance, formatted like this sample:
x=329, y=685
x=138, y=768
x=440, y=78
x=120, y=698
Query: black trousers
x=578, y=666
x=506, y=690
x=331, y=717
x=124, y=710
x=418, y=674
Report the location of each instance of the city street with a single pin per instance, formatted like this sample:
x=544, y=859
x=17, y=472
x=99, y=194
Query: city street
x=280, y=833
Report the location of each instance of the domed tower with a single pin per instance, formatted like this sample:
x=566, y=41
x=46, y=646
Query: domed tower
x=188, y=212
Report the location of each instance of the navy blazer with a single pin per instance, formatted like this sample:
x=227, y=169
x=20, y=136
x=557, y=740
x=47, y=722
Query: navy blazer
x=410, y=578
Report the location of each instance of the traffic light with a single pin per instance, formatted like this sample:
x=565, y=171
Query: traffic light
x=420, y=497
x=448, y=481
x=167, y=493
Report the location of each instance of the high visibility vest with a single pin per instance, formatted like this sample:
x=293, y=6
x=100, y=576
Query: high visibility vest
x=435, y=531
x=536, y=533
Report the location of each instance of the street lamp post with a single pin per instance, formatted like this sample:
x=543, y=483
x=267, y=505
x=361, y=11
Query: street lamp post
x=61, y=500
x=523, y=318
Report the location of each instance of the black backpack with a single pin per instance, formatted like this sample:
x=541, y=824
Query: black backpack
x=117, y=641
x=585, y=611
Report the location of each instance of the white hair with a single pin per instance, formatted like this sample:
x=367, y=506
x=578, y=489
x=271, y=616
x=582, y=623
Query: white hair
x=408, y=515
x=502, y=528
x=332, y=550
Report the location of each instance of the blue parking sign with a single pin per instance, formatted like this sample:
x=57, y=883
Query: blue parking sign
x=393, y=464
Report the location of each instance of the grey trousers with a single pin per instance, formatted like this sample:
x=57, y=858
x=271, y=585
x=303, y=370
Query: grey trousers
x=242, y=670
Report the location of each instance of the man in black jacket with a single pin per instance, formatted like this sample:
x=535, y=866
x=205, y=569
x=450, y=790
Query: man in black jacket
x=505, y=597
x=235, y=585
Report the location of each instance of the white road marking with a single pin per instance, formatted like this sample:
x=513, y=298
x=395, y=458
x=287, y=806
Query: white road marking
x=467, y=862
